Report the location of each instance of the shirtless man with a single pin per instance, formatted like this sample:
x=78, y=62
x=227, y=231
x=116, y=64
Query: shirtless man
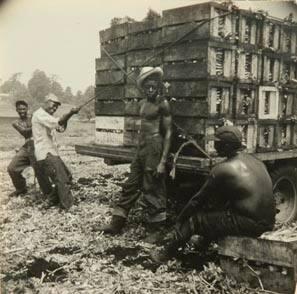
x=148, y=167
x=25, y=156
x=239, y=196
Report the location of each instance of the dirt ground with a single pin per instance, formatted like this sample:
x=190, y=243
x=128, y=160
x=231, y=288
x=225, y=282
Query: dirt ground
x=48, y=250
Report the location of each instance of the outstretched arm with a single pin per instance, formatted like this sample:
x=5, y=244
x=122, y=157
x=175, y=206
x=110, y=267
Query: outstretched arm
x=64, y=119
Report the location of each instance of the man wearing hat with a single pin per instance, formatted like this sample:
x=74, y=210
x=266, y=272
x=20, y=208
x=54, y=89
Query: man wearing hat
x=237, y=199
x=148, y=167
x=25, y=155
x=44, y=124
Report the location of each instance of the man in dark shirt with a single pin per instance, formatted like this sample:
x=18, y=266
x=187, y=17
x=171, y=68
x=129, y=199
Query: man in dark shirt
x=25, y=156
x=148, y=167
x=237, y=199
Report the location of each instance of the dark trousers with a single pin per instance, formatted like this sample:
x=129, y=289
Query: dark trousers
x=55, y=169
x=217, y=224
x=23, y=159
x=143, y=181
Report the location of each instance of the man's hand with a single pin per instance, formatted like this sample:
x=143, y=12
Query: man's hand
x=161, y=168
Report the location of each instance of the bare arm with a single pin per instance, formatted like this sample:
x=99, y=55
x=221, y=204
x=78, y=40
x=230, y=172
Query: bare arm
x=64, y=119
x=23, y=130
x=167, y=127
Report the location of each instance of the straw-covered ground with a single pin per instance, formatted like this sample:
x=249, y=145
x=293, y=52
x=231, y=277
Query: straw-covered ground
x=48, y=250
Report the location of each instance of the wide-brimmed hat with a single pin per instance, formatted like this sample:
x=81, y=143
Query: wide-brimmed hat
x=227, y=134
x=148, y=71
x=52, y=97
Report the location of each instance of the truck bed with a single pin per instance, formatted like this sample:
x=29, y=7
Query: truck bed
x=123, y=154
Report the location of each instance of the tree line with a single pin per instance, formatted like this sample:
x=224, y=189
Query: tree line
x=39, y=85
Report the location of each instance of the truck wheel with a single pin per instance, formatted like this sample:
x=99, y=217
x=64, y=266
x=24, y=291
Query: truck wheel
x=284, y=181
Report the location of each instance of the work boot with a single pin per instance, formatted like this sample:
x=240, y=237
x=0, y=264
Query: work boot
x=18, y=193
x=115, y=226
x=169, y=251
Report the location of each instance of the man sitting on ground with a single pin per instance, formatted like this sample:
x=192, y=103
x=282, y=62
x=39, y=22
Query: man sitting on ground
x=238, y=195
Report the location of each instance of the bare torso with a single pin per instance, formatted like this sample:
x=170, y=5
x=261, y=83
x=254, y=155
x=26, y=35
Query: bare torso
x=244, y=182
x=150, y=116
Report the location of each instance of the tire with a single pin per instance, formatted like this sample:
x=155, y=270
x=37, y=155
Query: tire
x=284, y=179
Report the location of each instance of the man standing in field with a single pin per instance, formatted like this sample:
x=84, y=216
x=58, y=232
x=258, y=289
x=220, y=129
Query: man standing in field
x=25, y=156
x=44, y=124
x=148, y=167
x=237, y=199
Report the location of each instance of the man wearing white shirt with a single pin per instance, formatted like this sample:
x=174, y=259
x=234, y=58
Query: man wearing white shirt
x=44, y=124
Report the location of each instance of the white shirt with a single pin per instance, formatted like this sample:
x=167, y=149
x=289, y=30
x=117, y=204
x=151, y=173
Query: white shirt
x=43, y=128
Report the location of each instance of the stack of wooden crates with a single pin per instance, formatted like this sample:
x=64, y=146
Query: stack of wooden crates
x=239, y=67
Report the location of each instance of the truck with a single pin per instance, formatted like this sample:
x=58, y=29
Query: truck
x=222, y=65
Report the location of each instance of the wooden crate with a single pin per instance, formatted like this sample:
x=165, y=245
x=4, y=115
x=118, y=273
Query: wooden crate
x=273, y=262
x=266, y=135
x=246, y=101
x=269, y=103
x=285, y=134
x=249, y=66
x=271, y=34
x=249, y=134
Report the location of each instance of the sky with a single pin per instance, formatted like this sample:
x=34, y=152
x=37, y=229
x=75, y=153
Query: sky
x=61, y=37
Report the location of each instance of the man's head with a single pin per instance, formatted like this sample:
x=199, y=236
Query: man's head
x=149, y=80
x=51, y=103
x=228, y=140
x=21, y=107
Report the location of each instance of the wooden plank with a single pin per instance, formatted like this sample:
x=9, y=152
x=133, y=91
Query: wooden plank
x=172, y=33
x=271, y=252
x=105, y=63
x=114, y=32
x=142, y=58
x=132, y=91
x=132, y=123
x=117, y=108
x=145, y=40
x=187, y=89
x=142, y=26
x=109, y=122
x=185, y=71
x=271, y=280
x=186, y=51
x=111, y=92
x=189, y=108
x=117, y=46
x=186, y=14
x=110, y=77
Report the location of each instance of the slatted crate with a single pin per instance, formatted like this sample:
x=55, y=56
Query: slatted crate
x=248, y=65
x=115, y=39
x=246, y=97
x=180, y=21
x=247, y=29
x=261, y=261
x=145, y=35
x=266, y=135
x=248, y=130
x=285, y=134
x=271, y=34
x=288, y=38
x=199, y=60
